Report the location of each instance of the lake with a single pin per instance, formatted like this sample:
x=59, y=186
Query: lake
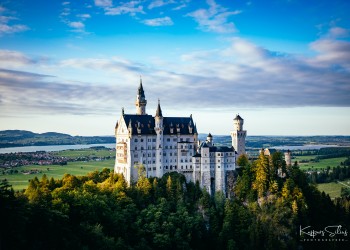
x=304, y=147
x=52, y=148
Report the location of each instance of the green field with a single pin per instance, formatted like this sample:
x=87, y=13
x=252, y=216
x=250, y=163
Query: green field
x=86, y=152
x=323, y=163
x=19, y=180
x=333, y=188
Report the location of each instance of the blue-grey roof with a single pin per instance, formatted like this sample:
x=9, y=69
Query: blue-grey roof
x=146, y=124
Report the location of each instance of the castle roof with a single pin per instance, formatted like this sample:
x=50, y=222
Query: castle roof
x=140, y=90
x=221, y=149
x=172, y=125
x=159, y=110
x=238, y=118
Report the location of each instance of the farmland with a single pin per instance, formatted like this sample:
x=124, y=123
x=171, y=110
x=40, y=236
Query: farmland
x=102, y=158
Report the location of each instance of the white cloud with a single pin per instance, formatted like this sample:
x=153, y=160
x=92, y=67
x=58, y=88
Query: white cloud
x=214, y=19
x=84, y=16
x=128, y=8
x=162, y=21
x=103, y=3
x=77, y=25
x=6, y=27
x=10, y=58
x=65, y=3
x=159, y=3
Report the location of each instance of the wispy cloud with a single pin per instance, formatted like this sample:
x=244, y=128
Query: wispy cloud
x=240, y=75
x=7, y=25
x=159, y=3
x=131, y=8
x=103, y=3
x=215, y=18
x=162, y=21
x=9, y=58
x=75, y=22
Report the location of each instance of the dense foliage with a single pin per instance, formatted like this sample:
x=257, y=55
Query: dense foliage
x=100, y=211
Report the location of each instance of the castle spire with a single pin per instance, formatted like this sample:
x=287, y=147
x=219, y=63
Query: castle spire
x=140, y=92
x=141, y=101
x=159, y=110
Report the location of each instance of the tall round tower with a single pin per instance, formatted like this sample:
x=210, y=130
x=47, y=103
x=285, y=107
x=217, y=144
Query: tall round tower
x=238, y=135
x=141, y=101
x=288, y=157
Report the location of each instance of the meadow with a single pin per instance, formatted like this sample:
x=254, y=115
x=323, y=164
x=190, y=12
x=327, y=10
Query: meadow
x=323, y=163
x=19, y=180
x=333, y=188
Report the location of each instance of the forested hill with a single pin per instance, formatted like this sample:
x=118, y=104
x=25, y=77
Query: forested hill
x=19, y=138
x=100, y=211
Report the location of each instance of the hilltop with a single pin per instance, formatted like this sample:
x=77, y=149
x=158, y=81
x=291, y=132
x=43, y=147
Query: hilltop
x=20, y=138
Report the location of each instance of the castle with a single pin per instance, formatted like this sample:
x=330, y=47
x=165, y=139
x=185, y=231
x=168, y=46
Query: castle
x=167, y=144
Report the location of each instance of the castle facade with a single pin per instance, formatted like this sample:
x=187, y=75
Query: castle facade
x=167, y=144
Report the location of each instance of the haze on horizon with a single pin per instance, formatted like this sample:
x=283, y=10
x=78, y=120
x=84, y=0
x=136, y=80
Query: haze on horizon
x=70, y=67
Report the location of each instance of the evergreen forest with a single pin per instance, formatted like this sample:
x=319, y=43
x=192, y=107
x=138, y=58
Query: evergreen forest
x=268, y=205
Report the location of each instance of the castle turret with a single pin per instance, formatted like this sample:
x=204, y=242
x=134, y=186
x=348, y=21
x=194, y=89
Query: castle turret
x=159, y=147
x=288, y=157
x=209, y=140
x=238, y=135
x=141, y=101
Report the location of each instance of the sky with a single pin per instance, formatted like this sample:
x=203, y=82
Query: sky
x=71, y=66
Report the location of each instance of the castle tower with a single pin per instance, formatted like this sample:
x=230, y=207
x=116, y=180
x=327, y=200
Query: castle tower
x=209, y=140
x=238, y=135
x=140, y=100
x=288, y=157
x=159, y=146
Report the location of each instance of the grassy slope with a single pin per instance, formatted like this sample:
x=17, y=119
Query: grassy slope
x=333, y=188
x=20, y=181
x=324, y=163
x=86, y=152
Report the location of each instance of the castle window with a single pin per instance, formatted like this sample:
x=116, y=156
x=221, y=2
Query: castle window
x=168, y=139
x=174, y=139
x=181, y=139
x=154, y=140
x=154, y=161
x=170, y=147
x=154, y=154
x=142, y=148
x=218, y=166
x=164, y=154
x=135, y=148
x=187, y=139
x=166, y=147
x=149, y=140
x=135, y=140
x=141, y=140
x=149, y=155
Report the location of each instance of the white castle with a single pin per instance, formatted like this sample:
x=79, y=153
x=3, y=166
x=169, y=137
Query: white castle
x=170, y=144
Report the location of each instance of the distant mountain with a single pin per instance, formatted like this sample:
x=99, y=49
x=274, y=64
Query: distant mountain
x=20, y=138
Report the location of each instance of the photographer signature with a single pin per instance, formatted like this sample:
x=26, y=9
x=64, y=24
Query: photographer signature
x=328, y=231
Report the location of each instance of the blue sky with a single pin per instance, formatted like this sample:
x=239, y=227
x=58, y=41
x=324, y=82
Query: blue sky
x=70, y=66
